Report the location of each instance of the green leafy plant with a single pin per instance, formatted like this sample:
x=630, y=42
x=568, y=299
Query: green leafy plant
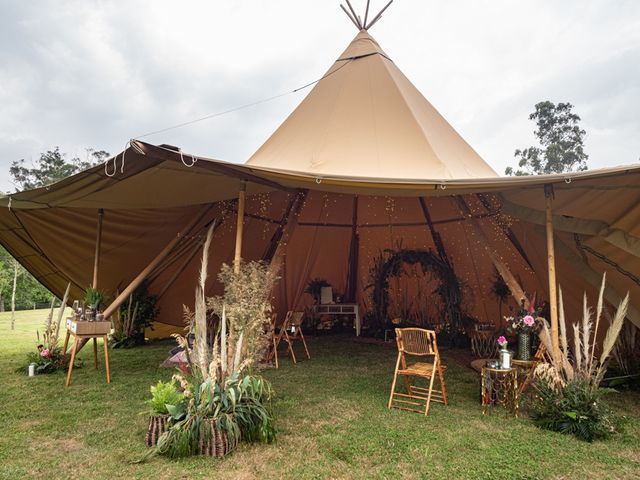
x=133, y=317
x=93, y=298
x=46, y=360
x=164, y=396
x=575, y=408
x=568, y=397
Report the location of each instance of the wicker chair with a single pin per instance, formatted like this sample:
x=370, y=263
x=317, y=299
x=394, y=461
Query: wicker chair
x=291, y=331
x=420, y=343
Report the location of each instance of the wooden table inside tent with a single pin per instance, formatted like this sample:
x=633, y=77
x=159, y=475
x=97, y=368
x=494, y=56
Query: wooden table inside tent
x=340, y=309
x=81, y=330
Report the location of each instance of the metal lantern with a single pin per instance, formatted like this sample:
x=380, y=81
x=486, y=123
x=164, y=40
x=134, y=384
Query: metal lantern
x=505, y=357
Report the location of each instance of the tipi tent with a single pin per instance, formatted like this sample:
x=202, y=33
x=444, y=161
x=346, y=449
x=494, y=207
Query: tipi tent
x=364, y=165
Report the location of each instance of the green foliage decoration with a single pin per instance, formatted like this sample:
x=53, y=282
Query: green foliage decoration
x=164, y=396
x=390, y=263
x=576, y=409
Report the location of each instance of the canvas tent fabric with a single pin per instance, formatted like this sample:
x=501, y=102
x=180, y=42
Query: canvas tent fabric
x=366, y=116
x=52, y=231
x=325, y=201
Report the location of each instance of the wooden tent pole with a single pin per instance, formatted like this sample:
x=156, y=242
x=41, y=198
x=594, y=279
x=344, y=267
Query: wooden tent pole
x=516, y=290
x=158, y=258
x=239, y=228
x=96, y=259
x=288, y=228
x=354, y=251
x=437, y=239
x=551, y=262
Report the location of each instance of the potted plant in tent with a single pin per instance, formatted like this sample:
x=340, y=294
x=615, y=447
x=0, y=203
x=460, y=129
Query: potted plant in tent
x=569, y=397
x=133, y=317
x=93, y=299
x=165, y=400
x=314, y=288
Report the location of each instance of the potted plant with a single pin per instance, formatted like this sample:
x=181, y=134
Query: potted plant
x=133, y=317
x=164, y=397
x=93, y=299
x=314, y=287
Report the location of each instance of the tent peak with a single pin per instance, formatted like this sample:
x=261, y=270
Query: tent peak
x=357, y=20
x=361, y=46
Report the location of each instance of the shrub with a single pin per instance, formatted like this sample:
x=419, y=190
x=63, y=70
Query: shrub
x=133, y=317
x=576, y=409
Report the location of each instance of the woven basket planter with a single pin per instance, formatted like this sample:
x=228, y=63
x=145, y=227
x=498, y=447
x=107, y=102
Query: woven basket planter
x=157, y=426
x=219, y=445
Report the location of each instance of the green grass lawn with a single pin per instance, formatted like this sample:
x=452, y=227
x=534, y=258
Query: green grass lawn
x=330, y=413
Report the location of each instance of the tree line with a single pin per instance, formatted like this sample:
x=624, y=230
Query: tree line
x=19, y=289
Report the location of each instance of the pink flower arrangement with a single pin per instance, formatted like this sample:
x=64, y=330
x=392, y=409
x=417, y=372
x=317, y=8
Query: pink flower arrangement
x=527, y=320
x=44, y=353
x=502, y=341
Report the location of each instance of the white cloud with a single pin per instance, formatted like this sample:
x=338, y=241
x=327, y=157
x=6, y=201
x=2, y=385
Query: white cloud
x=95, y=73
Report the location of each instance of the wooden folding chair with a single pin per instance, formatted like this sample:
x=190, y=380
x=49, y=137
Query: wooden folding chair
x=420, y=343
x=291, y=331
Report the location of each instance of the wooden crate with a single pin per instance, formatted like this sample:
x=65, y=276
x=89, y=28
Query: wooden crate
x=90, y=328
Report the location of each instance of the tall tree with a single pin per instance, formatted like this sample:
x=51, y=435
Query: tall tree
x=561, y=142
x=51, y=167
x=16, y=283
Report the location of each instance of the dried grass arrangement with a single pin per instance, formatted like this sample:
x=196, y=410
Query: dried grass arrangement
x=224, y=402
x=569, y=398
x=49, y=357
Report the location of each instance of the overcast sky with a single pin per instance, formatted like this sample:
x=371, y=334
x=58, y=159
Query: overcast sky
x=82, y=74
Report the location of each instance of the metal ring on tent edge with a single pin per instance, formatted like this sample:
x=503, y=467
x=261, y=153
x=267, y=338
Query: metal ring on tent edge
x=318, y=180
x=567, y=180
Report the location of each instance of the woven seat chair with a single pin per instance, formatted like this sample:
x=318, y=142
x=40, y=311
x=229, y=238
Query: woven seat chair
x=417, y=342
x=291, y=331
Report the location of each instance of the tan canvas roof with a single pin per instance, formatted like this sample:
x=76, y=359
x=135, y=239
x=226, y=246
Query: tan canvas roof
x=52, y=230
x=365, y=118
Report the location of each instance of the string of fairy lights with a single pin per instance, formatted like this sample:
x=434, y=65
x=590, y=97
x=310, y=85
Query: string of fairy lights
x=464, y=246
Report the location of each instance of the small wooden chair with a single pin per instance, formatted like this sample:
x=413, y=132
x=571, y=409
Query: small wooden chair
x=290, y=331
x=421, y=343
